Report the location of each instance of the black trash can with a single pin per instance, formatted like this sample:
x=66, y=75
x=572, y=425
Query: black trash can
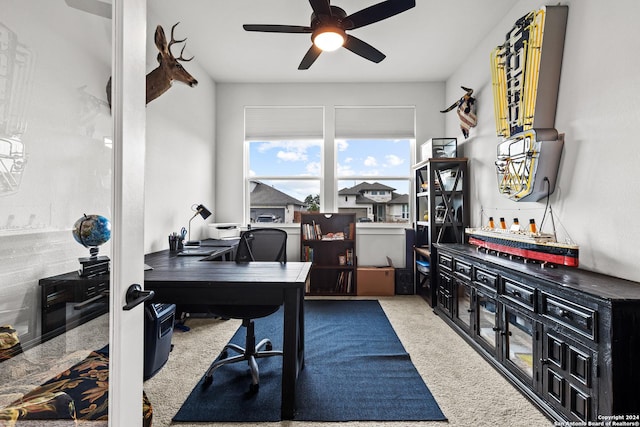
x=158, y=331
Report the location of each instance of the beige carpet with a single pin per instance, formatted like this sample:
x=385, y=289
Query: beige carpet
x=469, y=391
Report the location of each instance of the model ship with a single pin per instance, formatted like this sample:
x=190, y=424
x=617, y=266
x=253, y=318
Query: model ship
x=528, y=244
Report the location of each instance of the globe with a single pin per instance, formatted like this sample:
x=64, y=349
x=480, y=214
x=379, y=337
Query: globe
x=92, y=231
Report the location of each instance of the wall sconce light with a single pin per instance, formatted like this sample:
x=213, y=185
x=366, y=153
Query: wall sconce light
x=204, y=213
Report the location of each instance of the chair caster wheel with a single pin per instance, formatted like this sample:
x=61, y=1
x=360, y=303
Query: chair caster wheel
x=207, y=381
x=253, y=388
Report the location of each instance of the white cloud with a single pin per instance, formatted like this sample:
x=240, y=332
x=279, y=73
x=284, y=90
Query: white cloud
x=342, y=144
x=348, y=160
x=370, y=161
x=345, y=170
x=290, y=151
x=393, y=160
x=292, y=156
x=313, y=168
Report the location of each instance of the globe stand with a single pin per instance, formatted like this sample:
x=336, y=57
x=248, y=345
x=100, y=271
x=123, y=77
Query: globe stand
x=93, y=265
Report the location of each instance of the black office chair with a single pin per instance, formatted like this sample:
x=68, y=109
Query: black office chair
x=259, y=244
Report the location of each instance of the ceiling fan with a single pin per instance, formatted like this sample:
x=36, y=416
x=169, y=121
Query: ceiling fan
x=329, y=25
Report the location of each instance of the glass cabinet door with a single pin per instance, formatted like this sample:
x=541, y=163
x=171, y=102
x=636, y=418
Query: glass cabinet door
x=463, y=305
x=519, y=336
x=486, y=321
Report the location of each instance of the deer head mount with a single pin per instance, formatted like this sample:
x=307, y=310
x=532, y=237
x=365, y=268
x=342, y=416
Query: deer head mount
x=466, y=111
x=169, y=69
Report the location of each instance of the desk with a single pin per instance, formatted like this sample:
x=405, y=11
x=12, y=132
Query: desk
x=188, y=280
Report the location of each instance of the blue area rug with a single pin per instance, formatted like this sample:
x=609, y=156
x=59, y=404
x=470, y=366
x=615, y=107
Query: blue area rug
x=356, y=369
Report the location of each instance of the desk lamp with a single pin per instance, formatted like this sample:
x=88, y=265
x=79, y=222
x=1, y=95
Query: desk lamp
x=204, y=213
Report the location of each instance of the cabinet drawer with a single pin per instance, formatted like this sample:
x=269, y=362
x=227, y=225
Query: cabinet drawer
x=462, y=269
x=521, y=294
x=486, y=279
x=577, y=317
x=445, y=262
x=95, y=289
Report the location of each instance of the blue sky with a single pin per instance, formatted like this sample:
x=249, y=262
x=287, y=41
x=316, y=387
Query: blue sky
x=355, y=158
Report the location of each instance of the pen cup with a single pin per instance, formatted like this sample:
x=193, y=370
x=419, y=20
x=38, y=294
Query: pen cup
x=173, y=243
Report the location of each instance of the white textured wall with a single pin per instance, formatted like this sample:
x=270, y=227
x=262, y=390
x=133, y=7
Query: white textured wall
x=597, y=198
x=180, y=157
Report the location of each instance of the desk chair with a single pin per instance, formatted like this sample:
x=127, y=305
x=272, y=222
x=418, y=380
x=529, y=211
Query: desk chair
x=259, y=244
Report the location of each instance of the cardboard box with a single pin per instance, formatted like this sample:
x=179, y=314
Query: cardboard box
x=376, y=281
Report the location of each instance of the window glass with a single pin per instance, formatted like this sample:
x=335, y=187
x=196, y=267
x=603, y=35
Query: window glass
x=284, y=180
x=374, y=179
x=285, y=158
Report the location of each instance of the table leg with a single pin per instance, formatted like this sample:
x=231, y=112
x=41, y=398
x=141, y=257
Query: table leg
x=293, y=349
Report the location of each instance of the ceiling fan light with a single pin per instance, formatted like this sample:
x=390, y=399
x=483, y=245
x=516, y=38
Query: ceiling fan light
x=329, y=40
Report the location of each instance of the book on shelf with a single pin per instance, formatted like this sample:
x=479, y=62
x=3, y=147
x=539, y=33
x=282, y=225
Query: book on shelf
x=344, y=282
x=349, y=256
x=307, y=253
x=311, y=231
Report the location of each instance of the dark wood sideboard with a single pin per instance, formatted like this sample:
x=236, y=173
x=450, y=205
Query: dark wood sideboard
x=569, y=339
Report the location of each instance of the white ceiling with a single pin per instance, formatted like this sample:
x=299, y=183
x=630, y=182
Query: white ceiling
x=425, y=43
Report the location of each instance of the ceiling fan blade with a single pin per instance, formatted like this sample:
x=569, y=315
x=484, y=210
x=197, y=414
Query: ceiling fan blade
x=376, y=13
x=277, y=28
x=320, y=7
x=95, y=7
x=310, y=57
x=363, y=49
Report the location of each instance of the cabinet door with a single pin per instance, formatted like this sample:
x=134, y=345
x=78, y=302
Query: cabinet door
x=463, y=310
x=486, y=320
x=444, y=293
x=519, y=333
x=569, y=380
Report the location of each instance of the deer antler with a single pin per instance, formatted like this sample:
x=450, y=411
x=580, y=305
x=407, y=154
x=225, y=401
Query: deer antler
x=174, y=41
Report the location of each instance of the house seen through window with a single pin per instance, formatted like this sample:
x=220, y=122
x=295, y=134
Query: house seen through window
x=374, y=179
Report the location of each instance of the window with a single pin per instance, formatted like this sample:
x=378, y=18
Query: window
x=284, y=179
x=373, y=162
x=284, y=162
x=284, y=174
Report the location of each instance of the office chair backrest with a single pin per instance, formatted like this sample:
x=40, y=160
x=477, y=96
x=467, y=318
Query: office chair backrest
x=262, y=244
